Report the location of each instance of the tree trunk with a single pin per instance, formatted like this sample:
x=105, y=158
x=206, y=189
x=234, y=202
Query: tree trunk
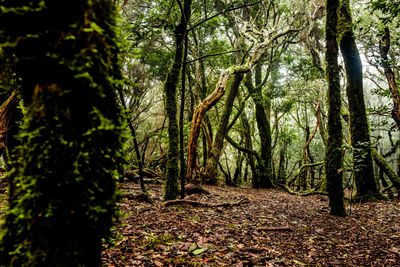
x=135, y=144
x=170, y=88
x=212, y=163
x=333, y=155
x=219, y=91
x=195, y=126
x=384, y=47
x=249, y=145
x=282, y=165
x=359, y=131
x=71, y=139
x=265, y=166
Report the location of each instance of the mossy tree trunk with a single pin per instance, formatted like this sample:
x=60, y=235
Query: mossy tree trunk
x=249, y=145
x=215, y=153
x=170, y=89
x=65, y=55
x=359, y=131
x=333, y=154
x=264, y=177
x=282, y=164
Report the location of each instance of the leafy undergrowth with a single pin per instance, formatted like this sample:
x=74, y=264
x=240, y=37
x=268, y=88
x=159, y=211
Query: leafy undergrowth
x=271, y=229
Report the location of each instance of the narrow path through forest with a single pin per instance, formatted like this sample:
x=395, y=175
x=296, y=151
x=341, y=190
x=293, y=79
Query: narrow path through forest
x=272, y=228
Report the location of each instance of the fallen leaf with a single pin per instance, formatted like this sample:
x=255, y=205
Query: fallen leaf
x=198, y=251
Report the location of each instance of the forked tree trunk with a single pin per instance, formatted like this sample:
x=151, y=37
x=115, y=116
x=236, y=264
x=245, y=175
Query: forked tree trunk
x=197, y=120
x=215, y=153
x=216, y=95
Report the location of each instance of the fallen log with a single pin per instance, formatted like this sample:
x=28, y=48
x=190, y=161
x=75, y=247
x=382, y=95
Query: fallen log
x=204, y=204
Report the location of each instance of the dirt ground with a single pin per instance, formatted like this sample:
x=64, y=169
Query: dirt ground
x=267, y=228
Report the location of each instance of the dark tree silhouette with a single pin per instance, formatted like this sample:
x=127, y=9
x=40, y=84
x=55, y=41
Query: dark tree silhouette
x=65, y=56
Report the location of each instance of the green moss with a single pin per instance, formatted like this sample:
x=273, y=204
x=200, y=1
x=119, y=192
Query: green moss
x=170, y=88
x=333, y=154
x=71, y=141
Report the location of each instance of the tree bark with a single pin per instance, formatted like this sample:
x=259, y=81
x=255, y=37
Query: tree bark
x=384, y=47
x=215, y=153
x=367, y=188
x=334, y=155
x=265, y=165
x=170, y=88
x=71, y=142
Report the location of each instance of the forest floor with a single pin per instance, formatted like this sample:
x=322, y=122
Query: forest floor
x=261, y=228
x=267, y=228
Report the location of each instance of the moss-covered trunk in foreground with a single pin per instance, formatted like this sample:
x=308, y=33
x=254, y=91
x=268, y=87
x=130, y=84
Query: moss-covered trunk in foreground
x=170, y=87
x=65, y=55
x=359, y=131
x=333, y=154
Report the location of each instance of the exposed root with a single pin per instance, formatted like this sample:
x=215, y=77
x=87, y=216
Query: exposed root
x=313, y=191
x=204, y=204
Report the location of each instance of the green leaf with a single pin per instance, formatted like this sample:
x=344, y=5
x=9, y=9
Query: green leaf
x=192, y=247
x=198, y=251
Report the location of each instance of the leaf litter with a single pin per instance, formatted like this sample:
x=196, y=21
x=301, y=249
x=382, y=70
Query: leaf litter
x=272, y=228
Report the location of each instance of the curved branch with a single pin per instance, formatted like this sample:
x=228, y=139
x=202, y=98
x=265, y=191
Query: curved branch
x=243, y=149
x=223, y=11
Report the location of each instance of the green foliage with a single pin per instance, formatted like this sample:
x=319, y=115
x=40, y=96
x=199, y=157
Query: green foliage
x=302, y=67
x=391, y=10
x=71, y=142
